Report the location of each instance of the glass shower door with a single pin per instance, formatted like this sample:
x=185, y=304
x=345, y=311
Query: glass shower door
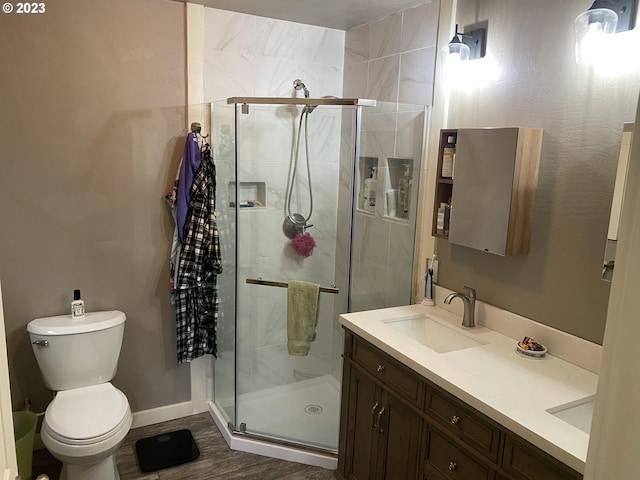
x=282, y=396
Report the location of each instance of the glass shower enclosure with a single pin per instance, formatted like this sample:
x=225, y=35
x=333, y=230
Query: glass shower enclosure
x=271, y=165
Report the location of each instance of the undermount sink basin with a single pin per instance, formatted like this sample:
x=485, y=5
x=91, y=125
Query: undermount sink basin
x=578, y=414
x=434, y=334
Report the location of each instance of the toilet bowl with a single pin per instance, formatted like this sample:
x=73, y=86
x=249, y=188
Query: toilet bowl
x=84, y=427
x=88, y=418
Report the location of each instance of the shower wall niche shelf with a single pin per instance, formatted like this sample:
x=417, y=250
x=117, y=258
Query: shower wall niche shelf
x=399, y=188
x=250, y=194
x=491, y=188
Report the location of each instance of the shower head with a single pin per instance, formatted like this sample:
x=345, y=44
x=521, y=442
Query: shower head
x=299, y=85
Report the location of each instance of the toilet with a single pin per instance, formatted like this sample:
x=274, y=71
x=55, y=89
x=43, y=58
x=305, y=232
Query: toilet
x=88, y=418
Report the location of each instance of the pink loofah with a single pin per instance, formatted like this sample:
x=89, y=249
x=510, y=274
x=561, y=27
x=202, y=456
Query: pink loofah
x=303, y=244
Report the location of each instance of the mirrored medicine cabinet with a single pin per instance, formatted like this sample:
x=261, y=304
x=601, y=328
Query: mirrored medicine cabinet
x=485, y=188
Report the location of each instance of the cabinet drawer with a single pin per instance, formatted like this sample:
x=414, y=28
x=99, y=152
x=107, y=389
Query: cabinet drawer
x=474, y=429
x=451, y=462
x=388, y=371
x=526, y=462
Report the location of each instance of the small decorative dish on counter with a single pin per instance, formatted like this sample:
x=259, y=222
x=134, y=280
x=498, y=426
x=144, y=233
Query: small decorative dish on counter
x=530, y=348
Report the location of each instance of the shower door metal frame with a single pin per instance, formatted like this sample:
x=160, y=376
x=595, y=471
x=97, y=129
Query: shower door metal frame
x=302, y=101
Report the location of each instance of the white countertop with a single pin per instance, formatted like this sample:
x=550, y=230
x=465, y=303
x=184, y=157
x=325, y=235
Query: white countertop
x=509, y=388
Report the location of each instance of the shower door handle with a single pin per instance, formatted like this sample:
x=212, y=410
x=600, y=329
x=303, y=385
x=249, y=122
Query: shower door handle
x=373, y=415
x=380, y=430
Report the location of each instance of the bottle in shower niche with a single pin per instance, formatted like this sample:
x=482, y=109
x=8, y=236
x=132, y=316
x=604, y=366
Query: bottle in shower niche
x=448, y=157
x=404, y=192
x=77, y=306
x=370, y=185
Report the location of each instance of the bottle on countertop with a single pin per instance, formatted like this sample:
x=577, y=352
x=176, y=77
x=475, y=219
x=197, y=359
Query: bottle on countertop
x=77, y=306
x=370, y=186
x=448, y=157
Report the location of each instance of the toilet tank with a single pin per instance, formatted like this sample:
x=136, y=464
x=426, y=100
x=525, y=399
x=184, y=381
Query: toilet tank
x=77, y=353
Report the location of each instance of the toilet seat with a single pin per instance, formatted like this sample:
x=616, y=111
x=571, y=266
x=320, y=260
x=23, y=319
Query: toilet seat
x=87, y=415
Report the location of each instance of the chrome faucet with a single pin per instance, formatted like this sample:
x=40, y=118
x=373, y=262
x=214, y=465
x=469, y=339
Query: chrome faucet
x=469, y=300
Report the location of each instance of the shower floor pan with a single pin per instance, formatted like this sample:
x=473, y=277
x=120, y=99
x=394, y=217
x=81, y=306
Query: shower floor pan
x=305, y=412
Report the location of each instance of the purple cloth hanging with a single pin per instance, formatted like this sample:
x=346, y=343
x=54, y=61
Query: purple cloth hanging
x=190, y=163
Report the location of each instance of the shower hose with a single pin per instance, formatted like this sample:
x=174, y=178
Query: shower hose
x=297, y=219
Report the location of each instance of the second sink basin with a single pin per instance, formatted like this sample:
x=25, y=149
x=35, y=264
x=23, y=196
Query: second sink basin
x=434, y=334
x=578, y=413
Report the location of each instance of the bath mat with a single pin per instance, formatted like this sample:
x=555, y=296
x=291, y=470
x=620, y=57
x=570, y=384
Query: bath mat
x=166, y=450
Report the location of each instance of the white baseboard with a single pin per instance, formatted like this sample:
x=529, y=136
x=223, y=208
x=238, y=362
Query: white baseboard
x=161, y=414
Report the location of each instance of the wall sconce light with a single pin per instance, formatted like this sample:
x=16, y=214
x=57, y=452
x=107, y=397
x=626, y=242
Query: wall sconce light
x=594, y=27
x=462, y=48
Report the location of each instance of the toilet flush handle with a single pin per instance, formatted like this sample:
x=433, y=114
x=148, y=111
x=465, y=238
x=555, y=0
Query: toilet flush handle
x=41, y=343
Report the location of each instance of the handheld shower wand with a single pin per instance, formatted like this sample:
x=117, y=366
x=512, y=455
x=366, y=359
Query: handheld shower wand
x=299, y=85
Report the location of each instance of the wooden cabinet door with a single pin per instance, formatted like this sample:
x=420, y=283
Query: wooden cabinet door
x=526, y=462
x=364, y=405
x=399, y=429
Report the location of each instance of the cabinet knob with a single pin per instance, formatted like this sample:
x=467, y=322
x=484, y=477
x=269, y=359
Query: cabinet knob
x=455, y=420
x=380, y=368
x=452, y=466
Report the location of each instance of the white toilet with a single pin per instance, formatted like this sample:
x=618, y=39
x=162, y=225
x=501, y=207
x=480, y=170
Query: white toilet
x=88, y=417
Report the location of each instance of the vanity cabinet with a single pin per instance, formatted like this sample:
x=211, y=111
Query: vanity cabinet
x=397, y=425
x=489, y=198
x=381, y=435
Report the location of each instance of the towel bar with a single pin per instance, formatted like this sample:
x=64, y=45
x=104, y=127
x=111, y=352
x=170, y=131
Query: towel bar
x=259, y=281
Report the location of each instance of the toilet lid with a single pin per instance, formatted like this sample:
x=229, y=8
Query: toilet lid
x=87, y=413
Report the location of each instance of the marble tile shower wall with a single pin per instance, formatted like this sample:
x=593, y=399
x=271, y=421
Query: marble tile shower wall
x=393, y=59
x=247, y=55
x=390, y=60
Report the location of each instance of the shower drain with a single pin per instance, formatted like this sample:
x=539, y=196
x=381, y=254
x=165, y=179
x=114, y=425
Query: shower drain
x=313, y=409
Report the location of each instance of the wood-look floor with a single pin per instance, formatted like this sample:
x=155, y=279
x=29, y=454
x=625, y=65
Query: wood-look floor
x=216, y=461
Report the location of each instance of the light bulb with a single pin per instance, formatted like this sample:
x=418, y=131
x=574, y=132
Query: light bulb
x=593, y=30
x=455, y=56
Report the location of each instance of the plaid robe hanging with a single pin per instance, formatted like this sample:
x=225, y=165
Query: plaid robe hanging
x=196, y=298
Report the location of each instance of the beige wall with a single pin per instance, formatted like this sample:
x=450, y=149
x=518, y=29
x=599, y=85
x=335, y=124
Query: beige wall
x=92, y=130
x=582, y=111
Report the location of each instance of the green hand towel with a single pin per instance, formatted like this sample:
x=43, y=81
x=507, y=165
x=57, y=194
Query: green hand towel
x=302, y=316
